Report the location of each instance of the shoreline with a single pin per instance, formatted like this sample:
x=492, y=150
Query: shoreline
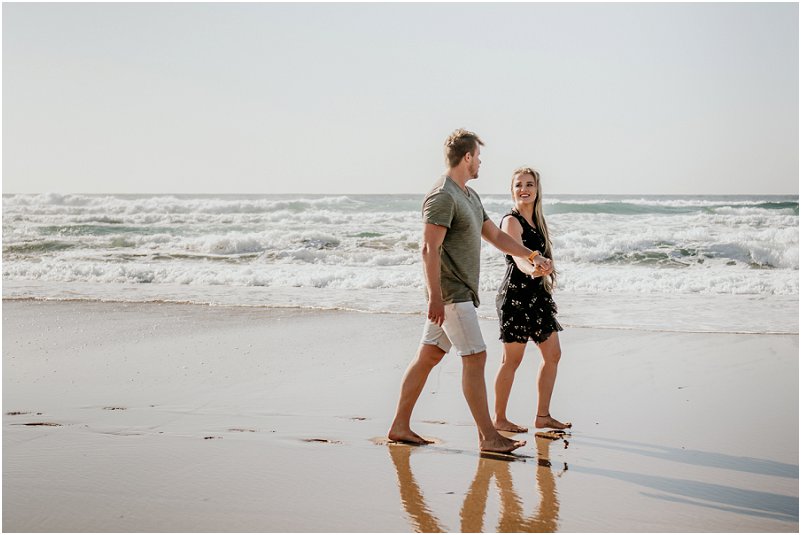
x=483, y=315
x=176, y=417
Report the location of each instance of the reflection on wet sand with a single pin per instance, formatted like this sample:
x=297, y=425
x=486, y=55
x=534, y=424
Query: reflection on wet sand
x=422, y=519
x=512, y=517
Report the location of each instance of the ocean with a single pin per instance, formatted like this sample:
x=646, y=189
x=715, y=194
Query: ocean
x=672, y=263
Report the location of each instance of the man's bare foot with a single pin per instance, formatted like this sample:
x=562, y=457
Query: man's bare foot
x=407, y=436
x=546, y=421
x=506, y=425
x=500, y=444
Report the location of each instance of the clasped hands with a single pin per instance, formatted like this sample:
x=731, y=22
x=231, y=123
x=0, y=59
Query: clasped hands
x=542, y=266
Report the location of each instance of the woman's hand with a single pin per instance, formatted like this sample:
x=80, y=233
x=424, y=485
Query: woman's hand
x=543, y=268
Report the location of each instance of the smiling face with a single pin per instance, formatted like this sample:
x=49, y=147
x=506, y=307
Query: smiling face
x=524, y=189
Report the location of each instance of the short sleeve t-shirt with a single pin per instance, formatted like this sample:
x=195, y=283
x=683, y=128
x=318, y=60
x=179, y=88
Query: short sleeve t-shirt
x=462, y=213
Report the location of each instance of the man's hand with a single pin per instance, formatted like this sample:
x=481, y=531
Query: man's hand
x=436, y=311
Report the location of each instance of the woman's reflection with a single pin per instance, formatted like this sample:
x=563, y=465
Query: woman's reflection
x=512, y=517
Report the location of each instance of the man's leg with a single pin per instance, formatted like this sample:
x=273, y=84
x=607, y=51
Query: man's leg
x=475, y=392
x=463, y=330
x=412, y=385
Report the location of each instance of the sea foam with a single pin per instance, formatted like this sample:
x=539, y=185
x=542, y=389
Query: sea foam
x=623, y=245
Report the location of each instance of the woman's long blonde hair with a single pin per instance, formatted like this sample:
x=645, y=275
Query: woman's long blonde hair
x=539, y=221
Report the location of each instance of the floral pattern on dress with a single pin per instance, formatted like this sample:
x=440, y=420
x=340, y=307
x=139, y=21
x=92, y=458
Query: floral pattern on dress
x=526, y=310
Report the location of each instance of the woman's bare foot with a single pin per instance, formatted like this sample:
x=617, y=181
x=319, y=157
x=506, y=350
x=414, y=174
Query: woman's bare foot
x=506, y=425
x=546, y=421
x=500, y=444
x=407, y=436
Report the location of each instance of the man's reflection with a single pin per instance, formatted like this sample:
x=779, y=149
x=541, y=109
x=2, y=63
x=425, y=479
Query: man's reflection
x=411, y=496
x=512, y=517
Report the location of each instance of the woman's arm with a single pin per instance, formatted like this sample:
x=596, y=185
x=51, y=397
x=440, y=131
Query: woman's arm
x=512, y=227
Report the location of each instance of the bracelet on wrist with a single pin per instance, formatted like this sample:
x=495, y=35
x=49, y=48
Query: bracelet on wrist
x=533, y=255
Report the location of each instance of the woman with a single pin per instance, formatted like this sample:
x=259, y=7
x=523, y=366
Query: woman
x=526, y=309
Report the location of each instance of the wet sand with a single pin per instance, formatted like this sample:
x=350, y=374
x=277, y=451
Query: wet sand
x=162, y=417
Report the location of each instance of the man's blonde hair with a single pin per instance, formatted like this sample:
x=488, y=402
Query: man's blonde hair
x=459, y=143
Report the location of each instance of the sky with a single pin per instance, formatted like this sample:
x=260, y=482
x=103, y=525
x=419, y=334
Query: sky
x=359, y=98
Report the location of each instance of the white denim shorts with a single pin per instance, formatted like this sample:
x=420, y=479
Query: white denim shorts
x=460, y=329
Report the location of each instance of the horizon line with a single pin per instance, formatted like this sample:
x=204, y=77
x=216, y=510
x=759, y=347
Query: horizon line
x=414, y=193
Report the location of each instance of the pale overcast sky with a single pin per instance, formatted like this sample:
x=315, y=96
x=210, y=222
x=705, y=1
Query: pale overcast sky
x=358, y=98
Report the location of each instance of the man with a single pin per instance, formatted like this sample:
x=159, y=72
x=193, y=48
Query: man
x=454, y=221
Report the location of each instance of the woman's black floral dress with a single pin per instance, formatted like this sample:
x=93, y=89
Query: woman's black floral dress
x=526, y=309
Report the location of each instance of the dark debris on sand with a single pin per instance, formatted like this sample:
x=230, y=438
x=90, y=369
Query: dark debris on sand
x=45, y=424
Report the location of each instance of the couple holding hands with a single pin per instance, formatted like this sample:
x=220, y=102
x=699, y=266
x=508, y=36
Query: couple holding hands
x=454, y=222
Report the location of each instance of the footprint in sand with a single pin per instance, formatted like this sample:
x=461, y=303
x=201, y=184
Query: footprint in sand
x=115, y=408
x=323, y=440
x=21, y=413
x=241, y=430
x=552, y=435
x=555, y=434
x=122, y=433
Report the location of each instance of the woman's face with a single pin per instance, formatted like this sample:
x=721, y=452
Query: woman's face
x=524, y=189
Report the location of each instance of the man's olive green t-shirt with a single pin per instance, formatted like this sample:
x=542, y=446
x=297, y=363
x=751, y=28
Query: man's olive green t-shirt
x=463, y=214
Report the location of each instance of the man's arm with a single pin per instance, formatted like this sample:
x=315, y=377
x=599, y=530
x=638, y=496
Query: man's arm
x=433, y=236
x=507, y=244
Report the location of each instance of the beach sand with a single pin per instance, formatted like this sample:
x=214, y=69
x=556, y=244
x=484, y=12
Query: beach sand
x=165, y=417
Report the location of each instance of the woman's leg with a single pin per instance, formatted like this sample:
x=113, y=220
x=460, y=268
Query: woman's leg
x=551, y=353
x=512, y=357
